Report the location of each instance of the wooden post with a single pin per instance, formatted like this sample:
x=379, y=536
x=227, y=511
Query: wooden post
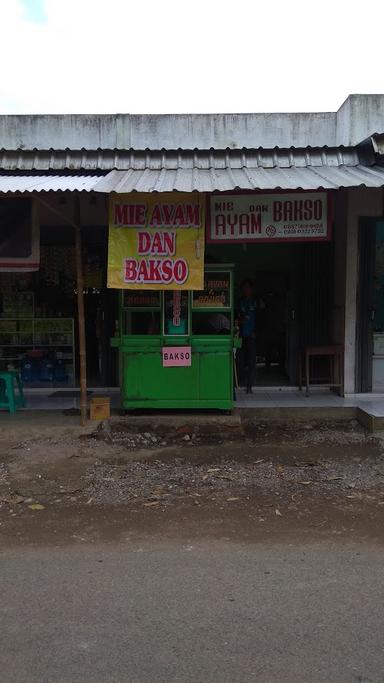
x=80, y=313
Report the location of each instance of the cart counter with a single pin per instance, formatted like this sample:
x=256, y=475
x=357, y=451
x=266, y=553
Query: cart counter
x=146, y=382
x=176, y=348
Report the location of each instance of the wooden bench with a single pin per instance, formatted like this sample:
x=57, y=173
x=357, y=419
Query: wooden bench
x=336, y=374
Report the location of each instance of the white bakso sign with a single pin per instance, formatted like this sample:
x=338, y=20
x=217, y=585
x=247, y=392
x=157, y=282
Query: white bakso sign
x=301, y=217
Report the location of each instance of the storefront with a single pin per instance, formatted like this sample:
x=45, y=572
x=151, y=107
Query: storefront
x=302, y=222
x=38, y=302
x=281, y=243
x=291, y=270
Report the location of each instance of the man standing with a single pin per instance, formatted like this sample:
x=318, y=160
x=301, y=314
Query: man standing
x=247, y=324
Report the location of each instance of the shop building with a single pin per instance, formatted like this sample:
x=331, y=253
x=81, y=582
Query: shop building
x=293, y=202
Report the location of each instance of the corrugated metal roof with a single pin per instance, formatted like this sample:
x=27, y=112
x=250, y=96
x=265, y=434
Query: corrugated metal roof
x=190, y=170
x=46, y=183
x=227, y=179
x=377, y=141
x=107, y=160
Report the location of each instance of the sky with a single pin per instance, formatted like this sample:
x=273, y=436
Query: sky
x=177, y=56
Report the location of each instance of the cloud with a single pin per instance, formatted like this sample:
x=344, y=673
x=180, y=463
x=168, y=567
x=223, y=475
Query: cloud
x=185, y=55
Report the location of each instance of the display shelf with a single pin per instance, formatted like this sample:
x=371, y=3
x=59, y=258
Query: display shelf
x=40, y=346
x=54, y=337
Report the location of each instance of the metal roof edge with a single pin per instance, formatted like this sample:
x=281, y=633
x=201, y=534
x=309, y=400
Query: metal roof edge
x=133, y=150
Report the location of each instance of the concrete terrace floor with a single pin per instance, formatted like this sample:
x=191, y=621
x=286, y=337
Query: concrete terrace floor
x=287, y=403
x=292, y=397
x=262, y=397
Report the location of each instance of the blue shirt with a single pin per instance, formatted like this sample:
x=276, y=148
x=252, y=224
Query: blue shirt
x=247, y=309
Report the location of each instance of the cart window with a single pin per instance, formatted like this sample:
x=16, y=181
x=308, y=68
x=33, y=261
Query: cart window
x=141, y=312
x=211, y=323
x=176, y=312
x=141, y=322
x=140, y=299
x=216, y=292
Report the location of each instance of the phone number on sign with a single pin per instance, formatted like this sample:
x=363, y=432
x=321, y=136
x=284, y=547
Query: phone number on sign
x=313, y=229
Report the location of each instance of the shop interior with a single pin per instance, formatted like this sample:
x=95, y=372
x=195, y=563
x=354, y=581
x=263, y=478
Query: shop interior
x=293, y=291
x=38, y=330
x=370, y=329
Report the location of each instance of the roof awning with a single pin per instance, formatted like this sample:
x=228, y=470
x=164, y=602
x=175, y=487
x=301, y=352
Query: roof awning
x=125, y=171
x=47, y=183
x=246, y=178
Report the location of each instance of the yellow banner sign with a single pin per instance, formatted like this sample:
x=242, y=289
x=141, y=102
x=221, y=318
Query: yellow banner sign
x=156, y=241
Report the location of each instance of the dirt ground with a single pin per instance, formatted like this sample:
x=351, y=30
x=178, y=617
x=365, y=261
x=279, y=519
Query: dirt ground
x=247, y=479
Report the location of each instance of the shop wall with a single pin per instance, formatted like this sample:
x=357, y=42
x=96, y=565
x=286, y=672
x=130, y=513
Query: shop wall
x=93, y=208
x=359, y=116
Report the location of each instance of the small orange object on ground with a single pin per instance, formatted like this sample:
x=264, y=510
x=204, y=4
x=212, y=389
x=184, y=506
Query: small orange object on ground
x=100, y=408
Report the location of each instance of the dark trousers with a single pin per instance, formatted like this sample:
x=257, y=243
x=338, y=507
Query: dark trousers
x=248, y=360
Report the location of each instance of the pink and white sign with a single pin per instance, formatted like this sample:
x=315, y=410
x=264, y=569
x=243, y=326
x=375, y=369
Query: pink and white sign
x=176, y=356
x=291, y=217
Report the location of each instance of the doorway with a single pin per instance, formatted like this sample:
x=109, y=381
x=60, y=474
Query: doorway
x=293, y=288
x=370, y=308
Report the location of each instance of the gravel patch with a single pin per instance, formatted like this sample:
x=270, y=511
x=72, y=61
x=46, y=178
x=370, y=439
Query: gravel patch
x=157, y=481
x=155, y=436
x=3, y=473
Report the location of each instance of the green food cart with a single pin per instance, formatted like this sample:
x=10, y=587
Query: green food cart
x=176, y=347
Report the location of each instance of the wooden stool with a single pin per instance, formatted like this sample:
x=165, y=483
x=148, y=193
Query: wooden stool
x=8, y=398
x=335, y=354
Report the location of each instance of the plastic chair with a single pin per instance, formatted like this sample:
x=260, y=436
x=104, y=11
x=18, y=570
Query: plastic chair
x=8, y=398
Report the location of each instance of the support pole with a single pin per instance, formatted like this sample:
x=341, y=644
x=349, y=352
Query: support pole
x=80, y=314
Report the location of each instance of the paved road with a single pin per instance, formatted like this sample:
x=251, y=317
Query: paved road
x=170, y=611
